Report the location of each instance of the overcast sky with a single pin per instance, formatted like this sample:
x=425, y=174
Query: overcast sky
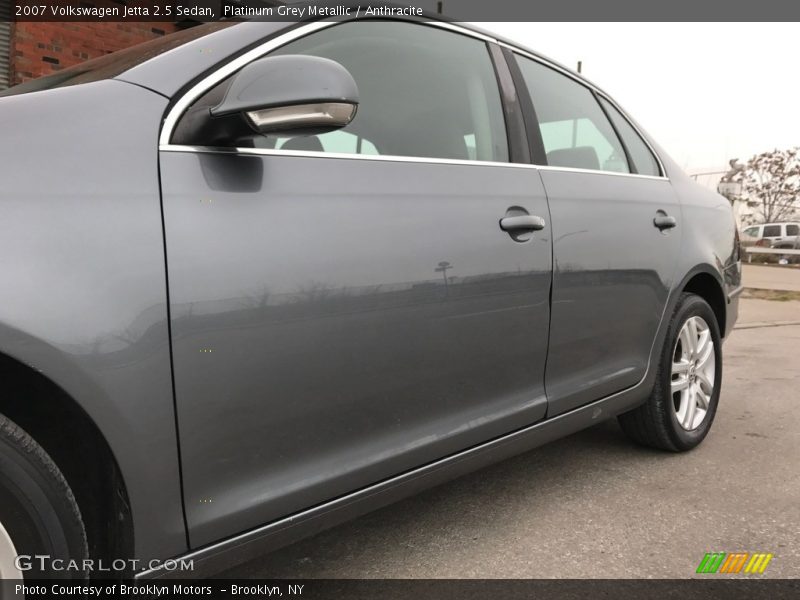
x=707, y=92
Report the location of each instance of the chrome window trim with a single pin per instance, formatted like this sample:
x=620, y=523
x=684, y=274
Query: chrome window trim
x=386, y=158
x=599, y=172
x=337, y=155
x=220, y=74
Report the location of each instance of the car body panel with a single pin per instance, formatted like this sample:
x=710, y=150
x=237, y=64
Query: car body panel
x=613, y=270
x=317, y=348
x=83, y=278
x=224, y=554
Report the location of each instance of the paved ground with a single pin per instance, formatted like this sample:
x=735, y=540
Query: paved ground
x=594, y=505
x=772, y=278
x=760, y=313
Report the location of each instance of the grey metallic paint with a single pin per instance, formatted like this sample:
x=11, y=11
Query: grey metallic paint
x=82, y=278
x=332, y=355
x=84, y=301
x=608, y=300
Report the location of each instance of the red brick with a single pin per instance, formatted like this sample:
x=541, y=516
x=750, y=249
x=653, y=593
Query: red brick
x=72, y=43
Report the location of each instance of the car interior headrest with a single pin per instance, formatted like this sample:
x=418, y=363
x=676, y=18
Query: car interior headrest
x=304, y=143
x=580, y=157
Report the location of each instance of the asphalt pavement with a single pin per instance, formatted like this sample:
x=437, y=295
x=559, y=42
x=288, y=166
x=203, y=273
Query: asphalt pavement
x=596, y=505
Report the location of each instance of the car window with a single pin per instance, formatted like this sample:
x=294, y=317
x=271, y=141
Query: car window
x=575, y=130
x=772, y=231
x=751, y=231
x=793, y=230
x=340, y=142
x=641, y=156
x=423, y=92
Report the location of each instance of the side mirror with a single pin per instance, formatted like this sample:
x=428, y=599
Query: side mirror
x=292, y=94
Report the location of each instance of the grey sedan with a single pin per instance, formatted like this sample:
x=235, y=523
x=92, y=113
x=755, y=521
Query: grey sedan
x=260, y=278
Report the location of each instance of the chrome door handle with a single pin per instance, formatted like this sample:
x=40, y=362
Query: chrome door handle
x=664, y=221
x=522, y=223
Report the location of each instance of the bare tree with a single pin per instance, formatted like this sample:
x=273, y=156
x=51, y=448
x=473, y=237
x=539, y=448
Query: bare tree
x=771, y=183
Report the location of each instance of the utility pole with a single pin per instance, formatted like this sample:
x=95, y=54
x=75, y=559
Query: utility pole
x=442, y=268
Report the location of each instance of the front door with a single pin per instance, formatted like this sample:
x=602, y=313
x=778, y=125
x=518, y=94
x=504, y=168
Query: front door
x=346, y=307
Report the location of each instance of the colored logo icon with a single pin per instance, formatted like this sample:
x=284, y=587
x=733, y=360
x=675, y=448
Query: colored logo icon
x=735, y=562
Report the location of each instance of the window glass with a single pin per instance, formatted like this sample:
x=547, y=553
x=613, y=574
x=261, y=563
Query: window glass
x=340, y=142
x=772, y=231
x=751, y=231
x=423, y=92
x=575, y=131
x=793, y=230
x=642, y=158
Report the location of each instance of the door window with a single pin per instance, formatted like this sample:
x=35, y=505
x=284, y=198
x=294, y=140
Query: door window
x=575, y=131
x=772, y=231
x=751, y=231
x=793, y=230
x=641, y=156
x=423, y=92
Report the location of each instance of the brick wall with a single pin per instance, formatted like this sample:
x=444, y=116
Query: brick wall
x=42, y=48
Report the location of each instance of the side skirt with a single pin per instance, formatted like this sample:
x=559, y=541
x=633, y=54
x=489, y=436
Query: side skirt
x=254, y=543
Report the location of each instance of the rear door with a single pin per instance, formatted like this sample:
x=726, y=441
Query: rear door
x=616, y=237
x=346, y=307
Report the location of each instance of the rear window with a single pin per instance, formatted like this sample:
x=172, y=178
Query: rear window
x=772, y=231
x=793, y=230
x=111, y=65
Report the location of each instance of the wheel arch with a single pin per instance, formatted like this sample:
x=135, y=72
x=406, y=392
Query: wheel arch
x=57, y=422
x=706, y=282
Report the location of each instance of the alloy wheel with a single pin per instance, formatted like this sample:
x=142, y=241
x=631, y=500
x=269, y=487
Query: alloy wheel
x=693, y=373
x=8, y=555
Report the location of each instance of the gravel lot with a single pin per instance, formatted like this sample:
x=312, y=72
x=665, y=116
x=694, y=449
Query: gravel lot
x=595, y=505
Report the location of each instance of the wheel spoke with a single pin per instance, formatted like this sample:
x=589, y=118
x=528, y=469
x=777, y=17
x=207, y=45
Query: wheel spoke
x=702, y=398
x=704, y=383
x=691, y=405
x=691, y=326
x=681, y=367
x=686, y=342
x=702, y=360
x=678, y=385
x=703, y=343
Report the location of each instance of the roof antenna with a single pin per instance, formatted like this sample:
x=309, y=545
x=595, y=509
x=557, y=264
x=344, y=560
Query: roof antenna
x=580, y=65
x=439, y=8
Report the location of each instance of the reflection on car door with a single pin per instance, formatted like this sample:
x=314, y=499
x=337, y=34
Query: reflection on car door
x=616, y=235
x=338, y=319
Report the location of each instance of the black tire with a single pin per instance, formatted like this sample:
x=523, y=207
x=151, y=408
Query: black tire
x=37, y=508
x=655, y=422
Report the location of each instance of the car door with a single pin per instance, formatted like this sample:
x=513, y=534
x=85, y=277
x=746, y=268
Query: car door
x=345, y=306
x=616, y=237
